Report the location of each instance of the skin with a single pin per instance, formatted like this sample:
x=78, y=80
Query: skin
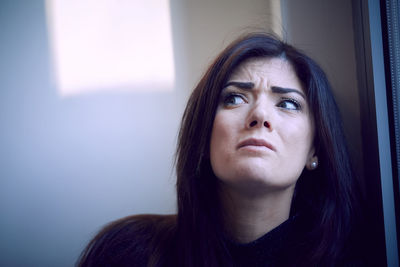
x=262, y=139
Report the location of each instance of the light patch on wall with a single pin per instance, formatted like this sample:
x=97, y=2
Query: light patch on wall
x=110, y=45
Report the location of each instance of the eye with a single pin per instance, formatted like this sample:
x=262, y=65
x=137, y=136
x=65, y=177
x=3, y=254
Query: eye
x=289, y=104
x=233, y=100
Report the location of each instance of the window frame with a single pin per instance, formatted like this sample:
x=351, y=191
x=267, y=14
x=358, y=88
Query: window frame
x=380, y=209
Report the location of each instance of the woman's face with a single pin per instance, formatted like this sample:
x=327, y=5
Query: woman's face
x=263, y=131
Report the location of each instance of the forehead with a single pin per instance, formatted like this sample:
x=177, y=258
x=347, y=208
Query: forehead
x=276, y=71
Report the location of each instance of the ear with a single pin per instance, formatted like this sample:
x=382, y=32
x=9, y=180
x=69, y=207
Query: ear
x=312, y=162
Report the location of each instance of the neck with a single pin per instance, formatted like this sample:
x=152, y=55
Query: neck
x=248, y=217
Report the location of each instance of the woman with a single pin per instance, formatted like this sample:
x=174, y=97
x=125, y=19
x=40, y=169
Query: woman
x=263, y=174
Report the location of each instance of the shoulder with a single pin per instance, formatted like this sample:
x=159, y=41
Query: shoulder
x=129, y=241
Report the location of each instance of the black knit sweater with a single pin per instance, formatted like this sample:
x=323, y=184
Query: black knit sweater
x=267, y=250
x=132, y=241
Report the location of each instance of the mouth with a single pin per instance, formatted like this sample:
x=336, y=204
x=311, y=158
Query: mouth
x=257, y=143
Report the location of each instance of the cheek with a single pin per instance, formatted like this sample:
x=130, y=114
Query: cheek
x=299, y=139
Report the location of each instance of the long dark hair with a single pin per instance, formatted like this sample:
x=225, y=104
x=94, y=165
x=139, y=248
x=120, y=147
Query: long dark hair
x=323, y=198
x=322, y=203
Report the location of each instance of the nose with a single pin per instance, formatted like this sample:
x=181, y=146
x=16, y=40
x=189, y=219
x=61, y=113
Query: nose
x=259, y=117
x=254, y=123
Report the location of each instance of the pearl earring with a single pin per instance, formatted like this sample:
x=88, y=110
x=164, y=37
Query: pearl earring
x=314, y=165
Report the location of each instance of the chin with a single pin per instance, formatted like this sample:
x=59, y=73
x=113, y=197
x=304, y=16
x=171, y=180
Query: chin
x=257, y=181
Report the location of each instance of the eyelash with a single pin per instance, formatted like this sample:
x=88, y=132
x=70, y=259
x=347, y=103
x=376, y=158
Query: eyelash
x=229, y=96
x=292, y=101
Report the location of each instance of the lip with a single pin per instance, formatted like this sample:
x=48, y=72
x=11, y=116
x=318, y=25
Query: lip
x=256, y=142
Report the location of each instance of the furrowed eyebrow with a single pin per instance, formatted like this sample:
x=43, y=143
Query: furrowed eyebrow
x=274, y=89
x=241, y=85
x=281, y=90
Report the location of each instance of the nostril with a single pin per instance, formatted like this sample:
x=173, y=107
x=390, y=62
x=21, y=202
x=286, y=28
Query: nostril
x=253, y=123
x=266, y=124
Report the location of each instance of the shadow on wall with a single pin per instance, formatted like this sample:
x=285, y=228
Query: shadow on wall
x=69, y=165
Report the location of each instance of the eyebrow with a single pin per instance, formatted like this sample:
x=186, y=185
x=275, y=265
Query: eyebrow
x=281, y=90
x=274, y=89
x=241, y=85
